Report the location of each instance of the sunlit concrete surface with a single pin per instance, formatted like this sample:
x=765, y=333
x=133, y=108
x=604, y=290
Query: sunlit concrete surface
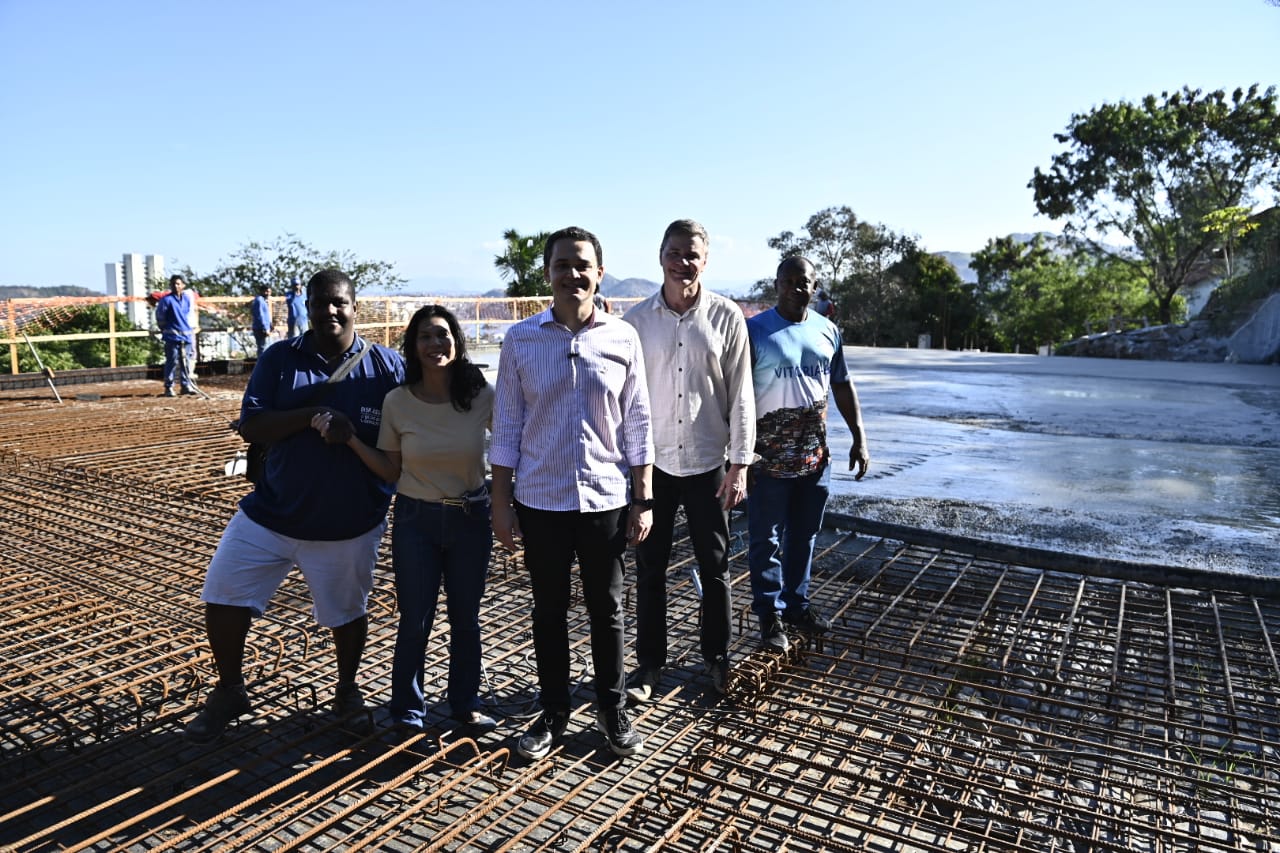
x=1158, y=462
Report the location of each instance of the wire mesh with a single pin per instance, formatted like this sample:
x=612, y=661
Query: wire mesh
x=958, y=703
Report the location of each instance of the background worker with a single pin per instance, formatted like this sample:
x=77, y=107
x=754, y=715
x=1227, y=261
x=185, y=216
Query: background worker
x=296, y=308
x=260, y=310
x=174, y=313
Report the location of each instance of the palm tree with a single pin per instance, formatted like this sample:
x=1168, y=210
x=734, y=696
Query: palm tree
x=521, y=264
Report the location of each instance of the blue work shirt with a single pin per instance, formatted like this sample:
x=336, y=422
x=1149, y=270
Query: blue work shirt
x=296, y=305
x=173, y=316
x=261, y=314
x=313, y=490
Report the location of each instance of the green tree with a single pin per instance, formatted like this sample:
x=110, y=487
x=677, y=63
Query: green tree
x=830, y=242
x=1115, y=290
x=275, y=262
x=520, y=263
x=877, y=303
x=1152, y=171
x=998, y=260
x=945, y=307
x=1037, y=305
x=1228, y=224
x=995, y=263
x=1066, y=295
x=762, y=291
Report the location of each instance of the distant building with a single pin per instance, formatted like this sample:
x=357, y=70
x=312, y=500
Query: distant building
x=136, y=275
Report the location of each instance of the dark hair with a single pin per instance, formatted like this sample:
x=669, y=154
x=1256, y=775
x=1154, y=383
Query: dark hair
x=685, y=228
x=793, y=261
x=176, y=278
x=325, y=278
x=465, y=379
x=574, y=234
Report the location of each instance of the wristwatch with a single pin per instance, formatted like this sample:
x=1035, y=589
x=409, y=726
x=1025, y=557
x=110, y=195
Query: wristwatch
x=642, y=504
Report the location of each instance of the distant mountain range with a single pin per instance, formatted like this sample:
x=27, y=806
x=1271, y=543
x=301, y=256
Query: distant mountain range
x=628, y=287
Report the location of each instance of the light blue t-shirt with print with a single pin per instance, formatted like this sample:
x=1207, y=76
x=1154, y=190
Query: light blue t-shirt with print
x=793, y=366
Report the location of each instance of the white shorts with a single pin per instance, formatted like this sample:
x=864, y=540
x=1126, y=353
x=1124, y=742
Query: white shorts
x=251, y=562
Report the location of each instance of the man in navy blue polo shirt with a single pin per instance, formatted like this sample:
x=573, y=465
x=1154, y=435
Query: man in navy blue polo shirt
x=317, y=506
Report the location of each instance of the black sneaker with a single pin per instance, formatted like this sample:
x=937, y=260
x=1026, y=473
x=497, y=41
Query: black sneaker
x=542, y=735
x=772, y=637
x=349, y=708
x=807, y=619
x=643, y=685
x=615, y=725
x=718, y=669
x=223, y=705
x=168, y=392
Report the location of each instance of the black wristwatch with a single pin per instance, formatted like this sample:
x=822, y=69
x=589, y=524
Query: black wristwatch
x=642, y=504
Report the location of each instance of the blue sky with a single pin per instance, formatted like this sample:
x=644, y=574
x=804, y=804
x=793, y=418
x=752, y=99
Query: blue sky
x=416, y=132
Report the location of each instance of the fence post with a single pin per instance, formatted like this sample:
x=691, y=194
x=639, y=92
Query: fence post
x=111, y=331
x=13, y=336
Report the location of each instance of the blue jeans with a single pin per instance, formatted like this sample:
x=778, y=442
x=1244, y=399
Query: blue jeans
x=176, y=363
x=783, y=519
x=433, y=543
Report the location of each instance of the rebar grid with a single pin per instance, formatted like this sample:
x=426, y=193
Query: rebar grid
x=957, y=704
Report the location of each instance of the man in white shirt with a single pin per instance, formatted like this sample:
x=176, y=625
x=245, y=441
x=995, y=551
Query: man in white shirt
x=698, y=364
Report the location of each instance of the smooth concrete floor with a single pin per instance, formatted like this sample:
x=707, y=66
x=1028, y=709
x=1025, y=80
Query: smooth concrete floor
x=1161, y=462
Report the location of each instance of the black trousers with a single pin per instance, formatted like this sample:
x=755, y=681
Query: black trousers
x=709, y=532
x=551, y=542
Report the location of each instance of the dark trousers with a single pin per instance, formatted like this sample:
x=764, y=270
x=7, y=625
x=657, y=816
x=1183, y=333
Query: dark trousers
x=708, y=527
x=551, y=541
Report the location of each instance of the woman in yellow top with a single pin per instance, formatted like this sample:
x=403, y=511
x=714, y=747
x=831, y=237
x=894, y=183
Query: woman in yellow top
x=432, y=443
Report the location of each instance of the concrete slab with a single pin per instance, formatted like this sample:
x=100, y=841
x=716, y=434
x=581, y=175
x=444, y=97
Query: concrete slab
x=1161, y=462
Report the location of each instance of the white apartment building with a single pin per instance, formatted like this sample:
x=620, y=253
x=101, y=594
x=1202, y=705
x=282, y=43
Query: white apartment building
x=135, y=276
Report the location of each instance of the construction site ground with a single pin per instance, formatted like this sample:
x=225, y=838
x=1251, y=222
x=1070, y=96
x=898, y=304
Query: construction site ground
x=967, y=698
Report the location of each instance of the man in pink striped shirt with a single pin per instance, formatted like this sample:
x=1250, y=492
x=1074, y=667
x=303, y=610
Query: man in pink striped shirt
x=572, y=433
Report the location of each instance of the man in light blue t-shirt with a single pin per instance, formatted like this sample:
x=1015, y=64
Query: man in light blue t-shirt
x=797, y=356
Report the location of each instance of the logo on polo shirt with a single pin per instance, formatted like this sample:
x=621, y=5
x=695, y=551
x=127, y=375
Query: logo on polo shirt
x=371, y=416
